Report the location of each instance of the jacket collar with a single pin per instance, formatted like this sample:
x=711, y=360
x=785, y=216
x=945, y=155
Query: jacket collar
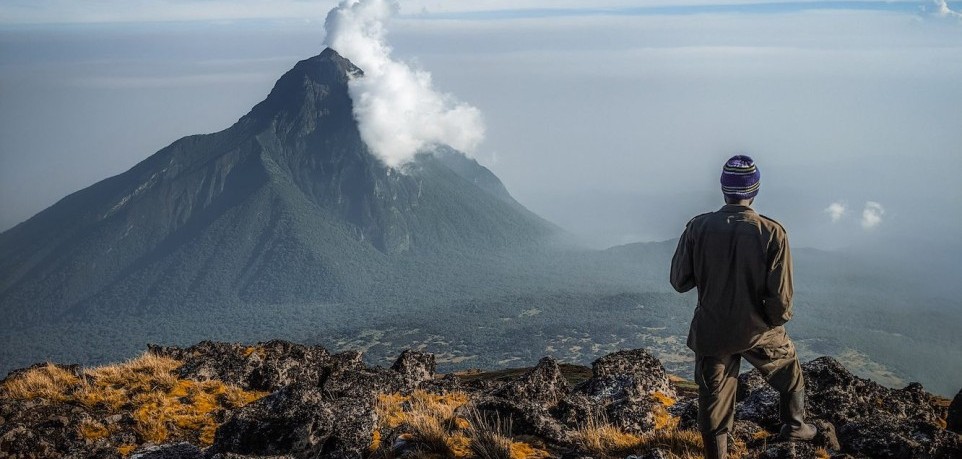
x=735, y=209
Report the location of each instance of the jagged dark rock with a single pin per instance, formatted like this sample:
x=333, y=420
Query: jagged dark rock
x=169, y=451
x=789, y=450
x=870, y=420
x=245, y=456
x=415, y=366
x=44, y=429
x=645, y=371
x=544, y=385
x=526, y=402
x=296, y=420
x=953, y=419
x=263, y=366
x=524, y=418
x=324, y=405
x=623, y=390
x=333, y=418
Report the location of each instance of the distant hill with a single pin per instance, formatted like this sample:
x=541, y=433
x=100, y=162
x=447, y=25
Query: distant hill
x=287, y=205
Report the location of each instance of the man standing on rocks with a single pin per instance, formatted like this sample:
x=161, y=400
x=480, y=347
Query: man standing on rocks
x=740, y=263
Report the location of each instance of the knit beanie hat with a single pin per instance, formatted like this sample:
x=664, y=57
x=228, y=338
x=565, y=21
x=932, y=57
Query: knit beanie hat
x=740, y=178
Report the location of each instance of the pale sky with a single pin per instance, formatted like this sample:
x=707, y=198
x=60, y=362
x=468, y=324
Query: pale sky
x=610, y=118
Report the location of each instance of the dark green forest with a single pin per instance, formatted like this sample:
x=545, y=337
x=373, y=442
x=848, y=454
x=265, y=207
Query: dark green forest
x=574, y=305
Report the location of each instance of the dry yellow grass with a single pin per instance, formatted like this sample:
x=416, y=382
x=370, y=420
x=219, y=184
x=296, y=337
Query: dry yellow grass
x=663, y=398
x=487, y=444
x=681, y=444
x=522, y=450
x=662, y=418
x=90, y=429
x=606, y=440
x=126, y=449
x=48, y=382
x=375, y=441
x=430, y=417
x=161, y=405
x=437, y=430
x=396, y=409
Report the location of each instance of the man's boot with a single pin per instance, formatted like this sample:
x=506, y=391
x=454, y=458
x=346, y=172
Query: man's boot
x=791, y=410
x=716, y=446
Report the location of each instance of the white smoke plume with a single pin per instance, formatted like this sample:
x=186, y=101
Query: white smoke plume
x=945, y=11
x=836, y=211
x=399, y=113
x=872, y=215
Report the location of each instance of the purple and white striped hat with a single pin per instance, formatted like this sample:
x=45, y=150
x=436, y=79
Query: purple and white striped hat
x=740, y=178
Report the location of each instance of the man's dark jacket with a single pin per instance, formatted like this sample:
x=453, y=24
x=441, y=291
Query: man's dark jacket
x=741, y=264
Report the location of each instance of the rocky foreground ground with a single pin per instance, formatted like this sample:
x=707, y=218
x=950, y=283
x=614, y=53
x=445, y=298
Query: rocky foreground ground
x=278, y=399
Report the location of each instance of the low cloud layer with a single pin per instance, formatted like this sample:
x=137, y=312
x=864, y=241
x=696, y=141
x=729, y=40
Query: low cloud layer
x=872, y=215
x=399, y=112
x=836, y=211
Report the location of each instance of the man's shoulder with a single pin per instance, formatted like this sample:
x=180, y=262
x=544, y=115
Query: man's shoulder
x=699, y=217
x=773, y=223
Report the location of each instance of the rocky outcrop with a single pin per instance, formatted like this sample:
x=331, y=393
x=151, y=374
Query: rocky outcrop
x=527, y=401
x=332, y=415
x=415, y=366
x=323, y=404
x=296, y=420
x=265, y=366
x=627, y=388
x=953, y=419
x=169, y=451
x=870, y=420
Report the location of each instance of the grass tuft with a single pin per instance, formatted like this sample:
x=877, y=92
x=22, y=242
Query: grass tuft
x=605, y=440
x=48, y=382
x=489, y=434
x=125, y=449
x=92, y=430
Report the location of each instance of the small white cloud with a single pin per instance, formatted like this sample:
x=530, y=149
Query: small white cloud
x=872, y=215
x=836, y=210
x=945, y=11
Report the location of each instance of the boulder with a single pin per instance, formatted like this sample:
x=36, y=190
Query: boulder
x=543, y=385
x=953, y=419
x=415, y=366
x=524, y=418
x=646, y=372
x=871, y=420
x=43, y=428
x=630, y=389
x=296, y=421
x=525, y=402
x=263, y=366
x=169, y=451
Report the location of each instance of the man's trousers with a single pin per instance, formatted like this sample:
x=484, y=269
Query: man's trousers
x=717, y=379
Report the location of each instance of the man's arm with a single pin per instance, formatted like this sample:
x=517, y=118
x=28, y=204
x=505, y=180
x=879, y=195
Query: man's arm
x=778, y=298
x=682, y=272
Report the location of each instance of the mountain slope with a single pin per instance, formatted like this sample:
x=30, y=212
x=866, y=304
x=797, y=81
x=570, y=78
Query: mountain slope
x=286, y=205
